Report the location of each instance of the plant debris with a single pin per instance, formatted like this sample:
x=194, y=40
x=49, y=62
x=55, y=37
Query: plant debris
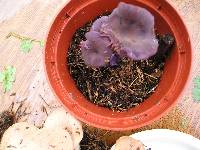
x=7, y=77
x=119, y=87
x=10, y=117
x=27, y=43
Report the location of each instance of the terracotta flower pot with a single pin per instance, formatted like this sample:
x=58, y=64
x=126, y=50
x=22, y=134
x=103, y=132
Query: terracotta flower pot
x=75, y=14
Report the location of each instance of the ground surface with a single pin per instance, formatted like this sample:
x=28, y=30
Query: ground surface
x=32, y=19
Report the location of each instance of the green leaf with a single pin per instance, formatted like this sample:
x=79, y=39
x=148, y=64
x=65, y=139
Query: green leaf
x=2, y=76
x=41, y=43
x=7, y=77
x=26, y=45
x=196, y=94
x=11, y=70
x=7, y=86
x=197, y=82
x=196, y=89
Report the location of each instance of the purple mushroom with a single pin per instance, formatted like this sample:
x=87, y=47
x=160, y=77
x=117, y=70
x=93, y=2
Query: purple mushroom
x=128, y=31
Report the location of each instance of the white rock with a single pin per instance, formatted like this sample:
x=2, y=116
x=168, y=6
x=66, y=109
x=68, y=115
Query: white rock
x=16, y=135
x=61, y=119
x=49, y=139
x=128, y=143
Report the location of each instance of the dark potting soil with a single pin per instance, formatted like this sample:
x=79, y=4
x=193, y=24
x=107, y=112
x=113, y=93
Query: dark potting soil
x=123, y=86
x=91, y=141
x=7, y=119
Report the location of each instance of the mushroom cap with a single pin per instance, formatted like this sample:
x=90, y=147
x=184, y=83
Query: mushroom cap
x=16, y=135
x=61, y=119
x=49, y=139
x=128, y=143
x=128, y=31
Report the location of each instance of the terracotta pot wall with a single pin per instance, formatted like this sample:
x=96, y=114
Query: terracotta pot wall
x=77, y=13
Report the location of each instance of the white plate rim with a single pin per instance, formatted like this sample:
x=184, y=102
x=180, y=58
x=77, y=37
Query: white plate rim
x=156, y=133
